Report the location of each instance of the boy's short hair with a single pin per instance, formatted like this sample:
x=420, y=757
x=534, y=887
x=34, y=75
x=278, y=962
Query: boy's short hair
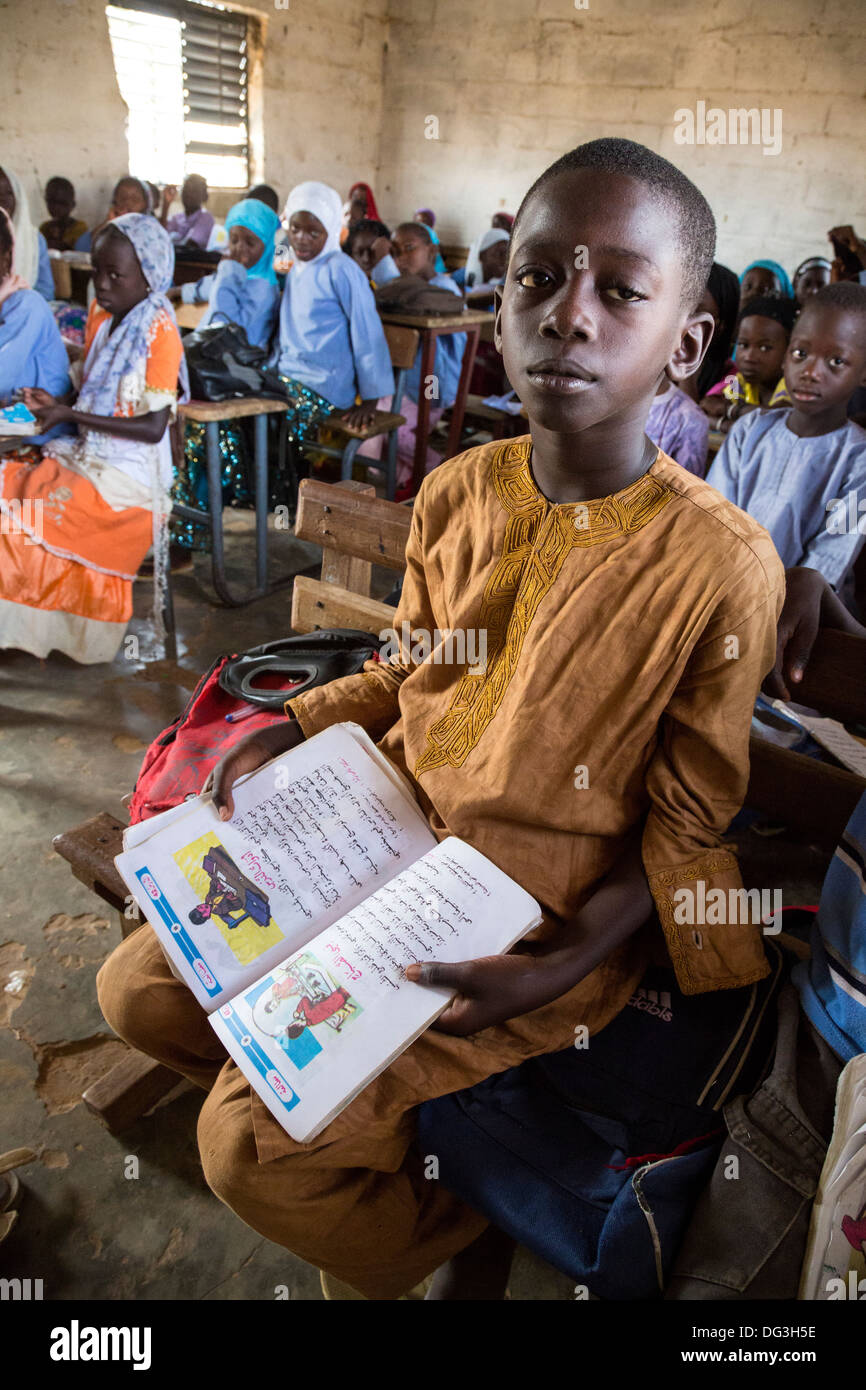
x=366, y=224
x=696, y=225
x=59, y=184
x=263, y=193
x=420, y=227
x=770, y=306
x=846, y=296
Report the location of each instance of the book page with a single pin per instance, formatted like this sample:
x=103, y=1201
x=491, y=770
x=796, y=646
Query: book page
x=310, y=1034
x=314, y=832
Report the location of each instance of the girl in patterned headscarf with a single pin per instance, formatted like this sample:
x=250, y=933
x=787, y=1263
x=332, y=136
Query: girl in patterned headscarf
x=84, y=515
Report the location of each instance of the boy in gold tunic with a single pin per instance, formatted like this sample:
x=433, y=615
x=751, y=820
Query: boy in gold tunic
x=630, y=616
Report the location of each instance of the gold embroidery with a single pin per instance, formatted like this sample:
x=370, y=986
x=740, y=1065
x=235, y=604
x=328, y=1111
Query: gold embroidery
x=538, y=539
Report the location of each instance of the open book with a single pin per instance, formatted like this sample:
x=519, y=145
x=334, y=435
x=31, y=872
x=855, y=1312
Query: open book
x=835, y=1264
x=293, y=922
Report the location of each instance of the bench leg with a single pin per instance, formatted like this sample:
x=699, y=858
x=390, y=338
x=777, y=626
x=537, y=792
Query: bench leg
x=261, y=429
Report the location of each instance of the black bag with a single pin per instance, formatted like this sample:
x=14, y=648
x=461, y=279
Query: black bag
x=312, y=659
x=412, y=294
x=224, y=364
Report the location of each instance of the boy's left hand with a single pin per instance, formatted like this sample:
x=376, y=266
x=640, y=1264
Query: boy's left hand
x=489, y=990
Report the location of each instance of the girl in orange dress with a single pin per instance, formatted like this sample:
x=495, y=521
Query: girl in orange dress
x=76, y=525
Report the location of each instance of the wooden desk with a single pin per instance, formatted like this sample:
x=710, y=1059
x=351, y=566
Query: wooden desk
x=210, y=414
x=431, y=327
x=189, y=315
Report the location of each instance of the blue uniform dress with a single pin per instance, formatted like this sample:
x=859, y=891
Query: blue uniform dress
x=32, y=353
x=331, y=340
x=809, y=493
x=233, y=296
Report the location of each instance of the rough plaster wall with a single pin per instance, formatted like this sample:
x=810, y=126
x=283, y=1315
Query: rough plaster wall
x=519, y=82
x=62, y=112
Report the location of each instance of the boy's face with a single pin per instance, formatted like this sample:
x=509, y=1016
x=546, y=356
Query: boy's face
x=245, y=247
x=811, y=281
x=826, y=359
x=494, y=261
x=414, y=254
x=759, y=281
x=117, y=279
x=193, y=195
x=59, y=203
x=761, y=347
x=129, y=197
x=362, y=250
x=583, y=346
x=307, y=235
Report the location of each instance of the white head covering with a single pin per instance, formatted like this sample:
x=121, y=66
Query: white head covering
x=473, y=260
x=323, y=202
x=26, y=255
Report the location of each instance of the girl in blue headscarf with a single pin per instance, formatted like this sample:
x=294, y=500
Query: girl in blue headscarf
x=245, y=291
x=763, y=278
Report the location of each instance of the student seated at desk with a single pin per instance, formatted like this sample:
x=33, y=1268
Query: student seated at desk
x=62, y=231
x=32, y=352
x=764, y=279
x=761, y=343
x=31, y=253
x=128, y=195
x=415, y=254
x=101, y=497
x=607, y=580
x=486, y=262
x=194, y=225
x=331, y=347
x=427, y=218
x=801, y=472
x=369, y=245
x=244, y=288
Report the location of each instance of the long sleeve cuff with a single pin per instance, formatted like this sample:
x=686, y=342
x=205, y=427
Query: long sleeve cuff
x=712, y=926
x=371, y=699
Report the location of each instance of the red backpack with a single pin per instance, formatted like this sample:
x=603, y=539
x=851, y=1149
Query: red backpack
x=254, y=685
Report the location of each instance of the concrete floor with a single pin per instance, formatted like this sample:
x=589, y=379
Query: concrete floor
x=71, y=742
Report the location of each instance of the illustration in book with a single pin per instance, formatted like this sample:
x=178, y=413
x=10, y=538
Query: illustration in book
x=300, y=1005
x=229, y=898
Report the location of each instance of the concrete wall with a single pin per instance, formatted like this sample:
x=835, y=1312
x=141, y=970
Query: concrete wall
x=319, y=114
x=61, y=112
x=516, y=83
x=511, y=83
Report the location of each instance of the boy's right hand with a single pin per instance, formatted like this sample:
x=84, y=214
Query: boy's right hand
x=251, y=752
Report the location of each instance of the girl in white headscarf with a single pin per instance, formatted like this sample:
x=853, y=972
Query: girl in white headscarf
x=31, y=249
x=331, y=351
